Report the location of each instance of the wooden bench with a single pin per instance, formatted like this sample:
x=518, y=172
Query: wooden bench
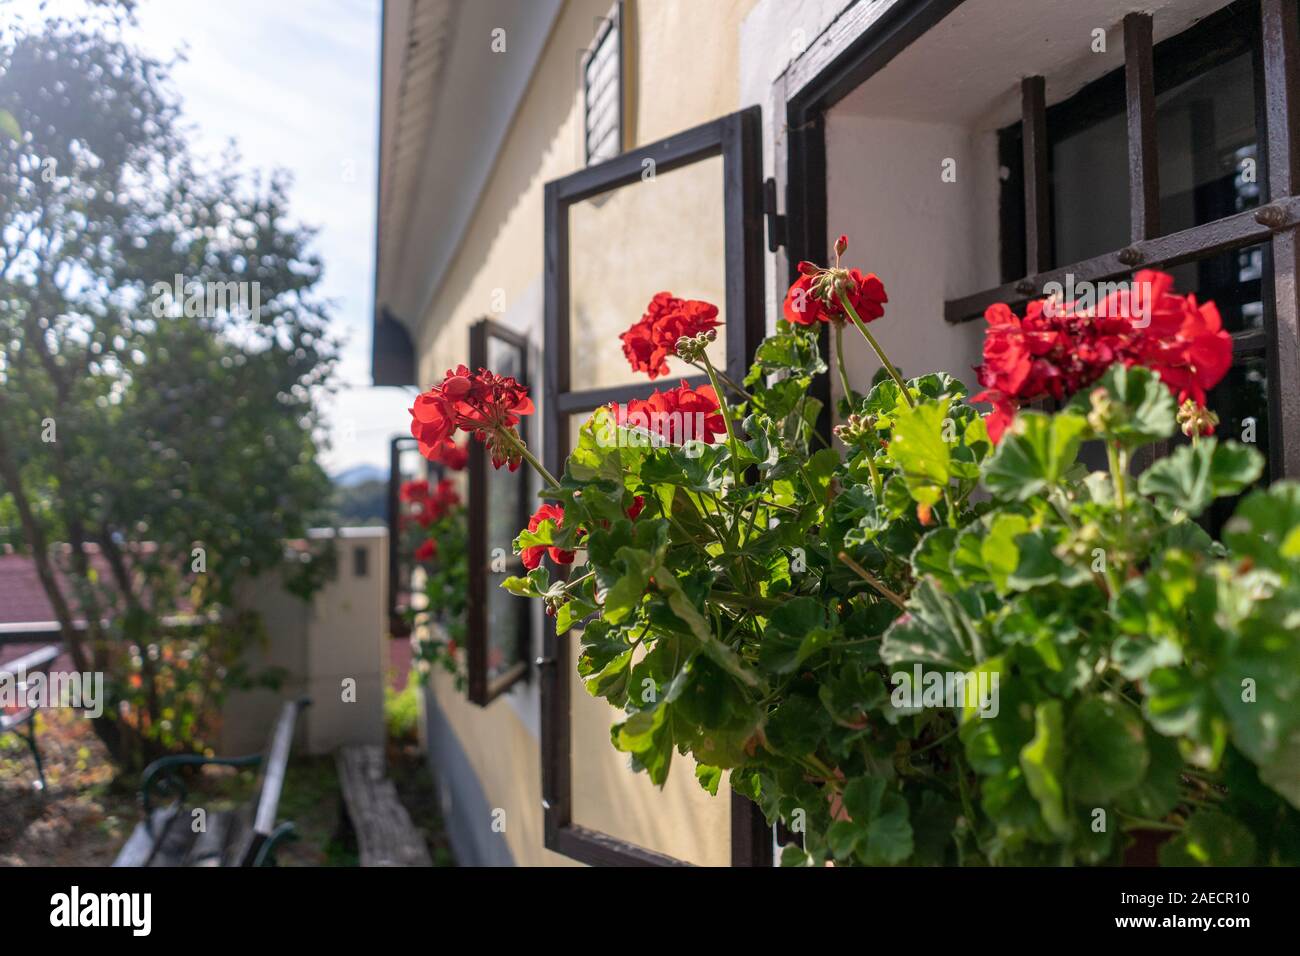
x=22, y=720
x=246, y=836
x=384, y=832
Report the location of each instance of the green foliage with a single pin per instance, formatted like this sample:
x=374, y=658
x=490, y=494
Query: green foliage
x=788, y=628
x=439, y=626
x=131, y=433
x=402, y=711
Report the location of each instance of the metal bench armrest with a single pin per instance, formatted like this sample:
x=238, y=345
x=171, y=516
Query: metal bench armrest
x=162, y=774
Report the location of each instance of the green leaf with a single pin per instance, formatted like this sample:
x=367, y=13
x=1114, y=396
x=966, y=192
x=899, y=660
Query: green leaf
x=606, y=451
x=998, y=551
x=572, y=613
x=918, y=447
x=686, y=611
x=882, y=817
x=1158, y=793
x=708, y=777
x=10, y=127
x=993, y=744
x=933, y=556
x=1043, y=762
x=1146, y=410
x=535, y=584
x=1035, y=454
x=1193, y=476
x=1137, y=657
x=792, y=855
x=1212, y=838
x=1107, y=750
x=1266, y=527
x=797, y=726
x=936, y=629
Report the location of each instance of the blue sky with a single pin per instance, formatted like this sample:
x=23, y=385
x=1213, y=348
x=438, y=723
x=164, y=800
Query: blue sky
x=295, y=83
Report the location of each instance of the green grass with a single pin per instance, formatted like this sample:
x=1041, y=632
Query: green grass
x=402, y=712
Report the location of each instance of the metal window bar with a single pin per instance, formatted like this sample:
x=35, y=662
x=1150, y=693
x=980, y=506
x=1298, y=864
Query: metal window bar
x=1273, y=222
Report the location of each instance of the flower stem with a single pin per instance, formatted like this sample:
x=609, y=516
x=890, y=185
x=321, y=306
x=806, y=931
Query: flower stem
x=880, y=353
x=531, y=458
x=726, y=418
x=839, y=363
x=727, y=380
x=1115, y=457
x=871, y=579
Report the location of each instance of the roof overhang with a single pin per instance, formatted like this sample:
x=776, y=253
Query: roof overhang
x=447, y=101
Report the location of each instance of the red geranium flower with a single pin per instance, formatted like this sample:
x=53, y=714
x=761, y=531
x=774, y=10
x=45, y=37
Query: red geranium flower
x=1057, y=349
x=812, y=298
x=427, y=506
x=482, y=403
x=416, y=490
x=427, y=551
x=532, y=557
x=676, y=415
x=635, y=508
x=649, y=342
x=449, y=454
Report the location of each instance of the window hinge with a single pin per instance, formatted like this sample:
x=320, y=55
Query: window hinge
x=775, y=222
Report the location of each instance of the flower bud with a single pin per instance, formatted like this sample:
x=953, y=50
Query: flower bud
x=1196, y=419
x=841, y=245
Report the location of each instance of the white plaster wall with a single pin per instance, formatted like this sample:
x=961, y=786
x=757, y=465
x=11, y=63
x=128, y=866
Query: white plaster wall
x=339, y=634
x=927, y=239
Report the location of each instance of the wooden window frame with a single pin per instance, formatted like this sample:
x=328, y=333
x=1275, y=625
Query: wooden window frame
x=483, y=689
x=397, y=625
x=737, y=139
x=1271, y=224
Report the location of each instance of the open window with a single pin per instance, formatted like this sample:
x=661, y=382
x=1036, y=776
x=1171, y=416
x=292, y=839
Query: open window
x=684, y=211
x=1187, y=116
x=1081, y=146
x=499, y=626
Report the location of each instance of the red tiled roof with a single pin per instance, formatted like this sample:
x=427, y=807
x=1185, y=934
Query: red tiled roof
x=22, y=599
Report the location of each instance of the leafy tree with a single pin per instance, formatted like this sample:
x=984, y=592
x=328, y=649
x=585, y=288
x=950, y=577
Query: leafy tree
x=156, y=451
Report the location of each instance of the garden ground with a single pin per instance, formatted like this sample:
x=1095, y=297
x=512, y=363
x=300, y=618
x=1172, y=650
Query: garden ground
x=89, y=810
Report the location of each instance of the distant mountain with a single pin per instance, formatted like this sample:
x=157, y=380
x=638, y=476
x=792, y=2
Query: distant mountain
x=360, y=474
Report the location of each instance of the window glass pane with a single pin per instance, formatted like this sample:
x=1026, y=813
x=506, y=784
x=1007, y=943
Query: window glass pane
x=1207, y=146
x=681, y=820
x=658, y=234
x=1232, y=280
x=1089, y=187
x=506, y=615
x=1207, y=150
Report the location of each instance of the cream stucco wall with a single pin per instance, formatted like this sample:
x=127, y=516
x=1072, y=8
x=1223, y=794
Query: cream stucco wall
x=683, y=69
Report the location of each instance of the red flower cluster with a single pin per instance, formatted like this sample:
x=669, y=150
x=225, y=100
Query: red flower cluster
x=812, y=298
x=1058, y=349
x=649, y=342
x=677, y=415
x=427, y=551
x=481, y=403
x=427, y=506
